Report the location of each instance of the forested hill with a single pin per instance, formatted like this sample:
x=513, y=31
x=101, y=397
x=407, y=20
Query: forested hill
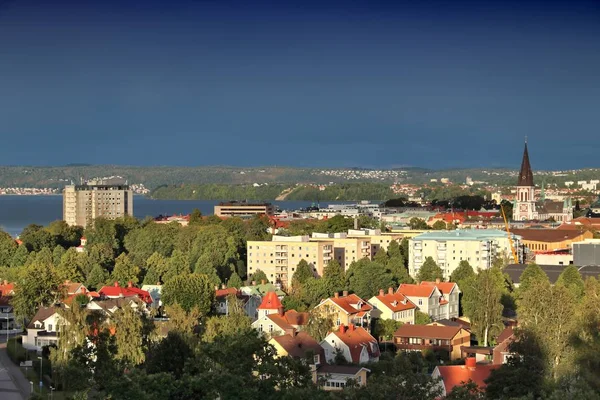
x=155, y=176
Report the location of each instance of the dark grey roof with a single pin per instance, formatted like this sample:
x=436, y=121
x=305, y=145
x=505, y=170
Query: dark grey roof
x=525, y=175
x=514, y=271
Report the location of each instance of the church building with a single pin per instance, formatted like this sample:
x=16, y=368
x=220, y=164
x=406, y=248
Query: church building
x=527, y=208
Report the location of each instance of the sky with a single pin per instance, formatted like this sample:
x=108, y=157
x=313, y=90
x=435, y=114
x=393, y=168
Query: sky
x=435, y=84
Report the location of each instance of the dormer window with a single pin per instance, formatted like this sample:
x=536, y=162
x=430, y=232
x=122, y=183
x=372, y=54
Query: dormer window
x=394, y=303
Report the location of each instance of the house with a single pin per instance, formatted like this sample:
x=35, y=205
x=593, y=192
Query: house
x=278, y=323
x=428, y=299
x=270, y=305
x=8, y=321
x=355, y=343
x=7, y=289
x=250, y=303
x=501, y=353
x=433, y=337
x=298, y=345
x=348, y=309
x=110, y=306
x=73, y=288
x=82, y=244
x=43, y=329
x=454, y=375
x=394, y=306
x=450, y=292
x=335, y=377
x=117, y=291
x=155, y=292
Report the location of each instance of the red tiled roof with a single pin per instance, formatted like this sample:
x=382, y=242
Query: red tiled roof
x=454, y=375
x=6, y=288
x=299, y=344
x=443, y=287
x=130, y=290
x=350, y=303
x=357, y=338
x=71, y=287
x=396, y=301
x=427, y=331
x=225, y=292
x=290, y=319
x=270, y=302
x=505, y=334
x=415, y=290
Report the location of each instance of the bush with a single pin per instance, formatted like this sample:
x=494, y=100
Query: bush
x=16, y=351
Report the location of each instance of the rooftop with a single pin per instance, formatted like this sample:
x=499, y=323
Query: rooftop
x=549, y=235
x=462, y=234
x=427, y=331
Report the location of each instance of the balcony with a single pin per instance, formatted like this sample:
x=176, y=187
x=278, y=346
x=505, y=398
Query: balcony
x=418, y=246
x=441, y=247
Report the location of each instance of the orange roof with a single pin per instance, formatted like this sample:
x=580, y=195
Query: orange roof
x=357, y=338
x=270, y=302
x=225, y=292
x=454, y=375
x=298, y=344
x=395, y=301
x=6, y=288
x=290, y=319
x=443, y=287
x=428, y=331
x=415, y=290
x=507, y=333
x=350, y=303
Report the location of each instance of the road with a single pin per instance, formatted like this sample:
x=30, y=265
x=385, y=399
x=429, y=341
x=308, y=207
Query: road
x=13, y=385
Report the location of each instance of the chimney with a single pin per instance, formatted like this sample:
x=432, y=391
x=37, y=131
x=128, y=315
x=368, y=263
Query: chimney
x=67, y=282
x=381, y=292
x=336, y=295
x=351, y=327
x=345, y=293
x=216, y=287
x=280, y=311
x=390, y=290
x=129, y=284
x=342, y=328
x=437, y=281
x=262, y=281
x=117, y=284
x=5, y=282
x=223, y=286
x=470, y=362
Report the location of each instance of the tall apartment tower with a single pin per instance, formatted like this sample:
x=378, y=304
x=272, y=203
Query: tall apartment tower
x=84, y=203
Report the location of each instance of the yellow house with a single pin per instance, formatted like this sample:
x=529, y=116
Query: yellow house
x=335, y=377
x=348, y=309
x=298, y=345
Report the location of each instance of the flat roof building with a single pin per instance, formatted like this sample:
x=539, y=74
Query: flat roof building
x=243, y=209
x=109, y=199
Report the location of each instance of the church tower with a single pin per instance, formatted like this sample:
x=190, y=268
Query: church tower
x=524, y=208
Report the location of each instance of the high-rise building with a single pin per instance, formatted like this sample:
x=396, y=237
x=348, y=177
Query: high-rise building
x=86, y=202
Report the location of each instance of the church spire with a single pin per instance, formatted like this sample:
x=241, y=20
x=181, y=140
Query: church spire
x=526, y=175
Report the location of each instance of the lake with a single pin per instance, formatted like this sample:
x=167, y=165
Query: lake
x=16, y=212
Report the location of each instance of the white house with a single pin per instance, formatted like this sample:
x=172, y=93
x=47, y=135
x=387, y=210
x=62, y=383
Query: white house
x=428, y=299
x=42, y=329
x=356, y=344
x=279, y=323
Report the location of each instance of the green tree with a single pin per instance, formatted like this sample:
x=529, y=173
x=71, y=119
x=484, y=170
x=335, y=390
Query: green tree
x=532, y=273
x=439, y=225
x=170, y=354
x=125, y=271
x=259, y=276
x=189, y=291
x=417, y=224
x=466, y=391
x=319, y=324
x=35, y=237
x=463, y=272
x=157, y=265
x=385, y=329
x=37, y=287
x=57, y=254
x=571, y=279
x=8, y=247
x=302, y=274
x=258, y=228
x=195, y=217
x=429, y=271
x=397, y=269
x=365, y=278
x=586, y=341
x=129, y=336
x=235, y=322
x=404, y=248
x=334, y=277
x=69, y=269
x=336, y=224
x=481, y=303
x=97, y=277
x=19, y=257
x=235, y=281
x=394, y=249
x=381, y=257
x=209, y=271
x=422, y=318
x=177, y=264
x=180, y=320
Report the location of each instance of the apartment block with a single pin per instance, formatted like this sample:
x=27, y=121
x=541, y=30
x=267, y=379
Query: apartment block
x=243, y=209
x=378, y=239
x=449, y=248
x=82, y=204
x=279, y=257
x=346, y=249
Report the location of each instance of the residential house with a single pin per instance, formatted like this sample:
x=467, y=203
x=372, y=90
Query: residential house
x=249, y=303
x=110, y=306
x=7, y=289
x=278, y=323
x=270, y=305
x=455, y=375
x=501, y=352
x=451, y=293
x=298, y=345
x=348, y=309
x=73, y=288
x=355, y=343
x=8, y=321
x=261, y=289
x=428, y=299
x=155, y=292
x=335, y=377
x=42, y=329
x=117, y=291
x=394, y=306
x=433, y=337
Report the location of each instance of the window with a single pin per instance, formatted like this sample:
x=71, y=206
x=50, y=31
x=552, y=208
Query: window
x=270, y=328
x=49, y=327
x=420, y=302
x=316, y=359
x=338, y=322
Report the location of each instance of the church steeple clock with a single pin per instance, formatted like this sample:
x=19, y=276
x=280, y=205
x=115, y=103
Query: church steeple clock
x=525, y=201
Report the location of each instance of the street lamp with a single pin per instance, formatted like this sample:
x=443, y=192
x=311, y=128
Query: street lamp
x=31, y=383
x=52, y=389
x=41, y=373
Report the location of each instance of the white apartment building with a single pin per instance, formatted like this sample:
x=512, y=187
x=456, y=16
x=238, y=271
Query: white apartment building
x=84, y=203
x=448, y=248
x=279, y=258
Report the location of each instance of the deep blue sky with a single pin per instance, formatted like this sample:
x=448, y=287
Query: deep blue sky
x=352, y=83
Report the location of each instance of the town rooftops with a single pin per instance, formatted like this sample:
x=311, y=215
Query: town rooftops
x=548, y=235
x=262, y=289
x=455, y=375
x=357, y=338
x=395, y=301
x=270, y=302
x=129, y=290
x=463, y=234
x=412, y=290
x=443, y=287
x=427, y=331
x=351, y=303
x=298, y=344
x=6, y=288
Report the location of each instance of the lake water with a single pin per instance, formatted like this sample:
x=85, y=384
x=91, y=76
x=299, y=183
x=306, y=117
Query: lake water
x=16, y=212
